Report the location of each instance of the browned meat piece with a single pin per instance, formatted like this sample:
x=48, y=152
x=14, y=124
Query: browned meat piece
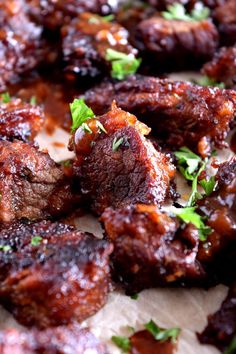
x=220, y=209
x=150, y=249
x=180, y=113
x=19, y=42
x=54, y=14
x=190, y=43
x=19, y=120
x=223, y=66
x=221, y=327
x=225, y=16
x=52, y=274
x=120, y=167
x=60, y=340
x=32, y=185
x=85, y=43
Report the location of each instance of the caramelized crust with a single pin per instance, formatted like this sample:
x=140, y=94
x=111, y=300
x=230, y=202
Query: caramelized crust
x=150, y=249
x=85, y=42
x=32, y=185
x=19, y=120
x=19, y=42
x=188, y=42
x=180, y=113
x=133, y=172
x=223, y=66
x=60, y=340
x=225, y=16
x=61, y=279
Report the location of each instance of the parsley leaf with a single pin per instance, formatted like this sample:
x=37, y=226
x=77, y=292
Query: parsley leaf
x=208, y=81
x=5, y=248
x=189, y=215
x=208, y=185
x=161, y=334
x=36, y=240
x=96, y=18
x=33, y=100
x=134, y=297
x=116, y=143
x=122, y=343
x=66, y=163
x=101, y=127
x=178, y=12
x=188, y=162
x=80, y=112
x=232, y=347
x=122, y=64
x=86, y=128
x=5, y=97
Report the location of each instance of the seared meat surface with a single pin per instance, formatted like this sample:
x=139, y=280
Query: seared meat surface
x=222, y=68
x=20, y=42
x=180, y=113
x=60, y=340
x=85, y=43
x=32, y=185
x=52, y=274
x=120, y=166
x=188, y=42
x=19, y=120
x=221, y=327
x=150, y=248
x=225, y=17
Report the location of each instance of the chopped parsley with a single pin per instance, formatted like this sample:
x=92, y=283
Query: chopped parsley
x=232, y=347
x=122, y=64
x=208, y=81
x=178, y=12
x=5, y=97
x=117, y=143
x=66, y=163
x=36, y=240
x=85, y=128
x=80, y=112
x=208, y=185
x=161, y=334
x=5, y=248
x=122, y=343
x=134, y=297
x=96, y=18
x=189, y=215
x=101, y=127
x=33, y=100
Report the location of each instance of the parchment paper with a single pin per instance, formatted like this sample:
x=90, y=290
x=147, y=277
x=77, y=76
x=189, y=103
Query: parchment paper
x=184, y=308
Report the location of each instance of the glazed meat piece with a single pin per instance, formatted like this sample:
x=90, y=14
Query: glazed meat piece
x=32, y=185
x=190, y=43
x=85, y=43
x=20, y=43
x=19, y=120
x=223, y=66
x=150, y=249
x=54, y=14
x=60, y=340
x=180, y=113
x=221, y=327
x=52, y=274
x=120, y=167
x=225, y=17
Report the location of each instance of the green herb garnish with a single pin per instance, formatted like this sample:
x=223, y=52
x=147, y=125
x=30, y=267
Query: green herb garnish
x=33, y=100
x=101, y=127
x=5, y=248
x=96, y=18
x=134, y=297
x=122, y=64
x=117, y=143
x=161, y=334
x=66, y=163
x=36, y=240
x=5, y=97
x=80, y=112
x=189, y=215
x=208, y=81
x=85, y=128
x=208, y=185
x=122, y=343
x=232, y=347
x=178, y=12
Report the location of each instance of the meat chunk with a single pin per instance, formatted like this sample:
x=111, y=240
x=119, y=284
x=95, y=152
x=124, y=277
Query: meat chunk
x=54, y=14
x=120, y=167
x=20, y=42
x=221, y=327
x=190, y=43
x=225, y=17
x=150, y=249
x=223, y=66
x=19, y=120
x=180, y=113
x=52, y=274
x=85, y=43
x=32, y=185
